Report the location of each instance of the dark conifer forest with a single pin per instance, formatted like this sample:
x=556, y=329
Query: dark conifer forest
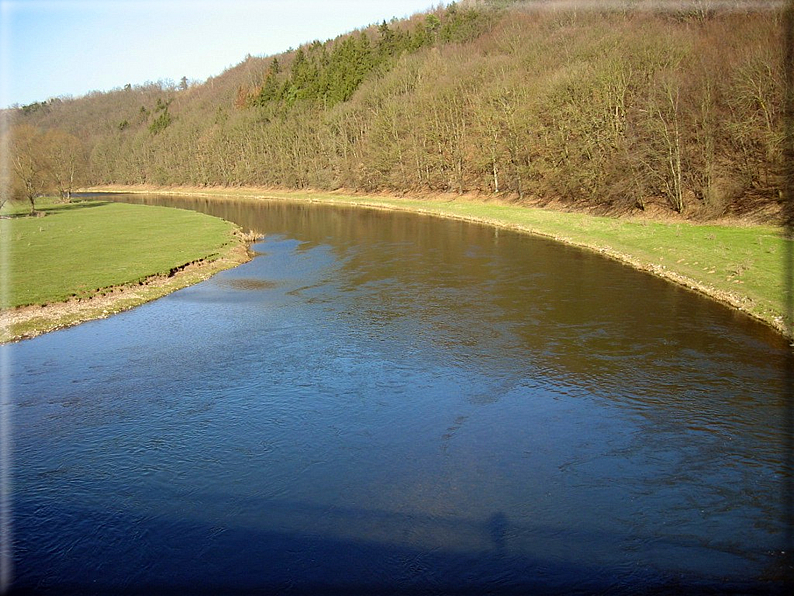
x=610, y=109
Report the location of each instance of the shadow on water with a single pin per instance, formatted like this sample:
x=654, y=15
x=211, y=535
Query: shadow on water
x=185, y=556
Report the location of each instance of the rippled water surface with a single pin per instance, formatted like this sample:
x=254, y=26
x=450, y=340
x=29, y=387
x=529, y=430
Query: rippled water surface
x=383, y=402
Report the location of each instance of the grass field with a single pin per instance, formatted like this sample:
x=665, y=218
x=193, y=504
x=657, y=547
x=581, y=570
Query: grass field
x=743, y=266
x=77, y=249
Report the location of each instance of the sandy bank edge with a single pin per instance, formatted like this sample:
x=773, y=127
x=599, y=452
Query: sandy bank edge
x=31, y=321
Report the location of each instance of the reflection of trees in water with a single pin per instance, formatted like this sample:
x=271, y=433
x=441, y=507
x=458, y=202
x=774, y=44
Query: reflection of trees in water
x=473, y=291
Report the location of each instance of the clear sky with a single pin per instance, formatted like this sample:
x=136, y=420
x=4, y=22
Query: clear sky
x=51, y=48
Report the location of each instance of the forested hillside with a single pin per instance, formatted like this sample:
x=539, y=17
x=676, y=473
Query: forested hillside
x=612, y=109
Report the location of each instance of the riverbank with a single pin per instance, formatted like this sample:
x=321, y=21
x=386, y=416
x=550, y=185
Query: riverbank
x=30, y=321
x=89, y=260
x=739, y=264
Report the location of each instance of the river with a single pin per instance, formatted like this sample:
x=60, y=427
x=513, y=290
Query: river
x=384, y=402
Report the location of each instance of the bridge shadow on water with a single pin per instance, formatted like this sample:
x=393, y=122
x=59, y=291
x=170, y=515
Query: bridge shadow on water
x=62, y=549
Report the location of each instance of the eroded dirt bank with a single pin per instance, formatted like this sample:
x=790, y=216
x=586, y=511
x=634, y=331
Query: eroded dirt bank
x=30, y=321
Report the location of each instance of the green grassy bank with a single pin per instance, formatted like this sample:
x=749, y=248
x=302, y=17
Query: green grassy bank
x=739, y=265
x=87, y=249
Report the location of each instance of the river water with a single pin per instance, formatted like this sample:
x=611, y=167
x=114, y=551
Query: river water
x=390, y=403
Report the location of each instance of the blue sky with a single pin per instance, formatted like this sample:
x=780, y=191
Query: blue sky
x=53, y=48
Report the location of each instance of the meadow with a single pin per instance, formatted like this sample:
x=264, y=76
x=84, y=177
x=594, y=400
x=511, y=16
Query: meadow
x=85, y=260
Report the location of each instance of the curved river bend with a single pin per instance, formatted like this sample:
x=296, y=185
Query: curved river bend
x=388, y=403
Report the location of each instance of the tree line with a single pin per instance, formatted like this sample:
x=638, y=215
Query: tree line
x=611, y=109
x=42, y=161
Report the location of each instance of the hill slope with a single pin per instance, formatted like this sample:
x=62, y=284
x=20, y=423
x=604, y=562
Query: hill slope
x=606, y=109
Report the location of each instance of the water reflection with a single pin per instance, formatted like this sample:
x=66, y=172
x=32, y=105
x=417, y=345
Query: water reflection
x=383, y=401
